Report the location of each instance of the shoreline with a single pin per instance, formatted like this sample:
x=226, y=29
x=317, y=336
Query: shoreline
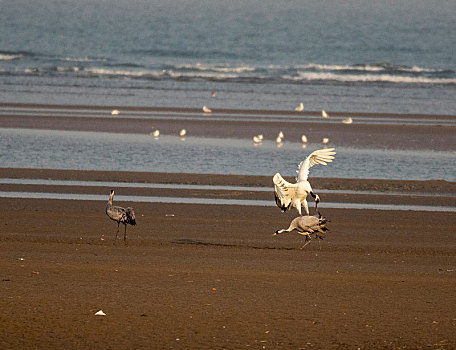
x=384, y=136
x=216, y=110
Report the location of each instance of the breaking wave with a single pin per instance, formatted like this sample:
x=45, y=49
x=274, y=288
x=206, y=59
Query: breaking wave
x=366, y=78
x=94, y=67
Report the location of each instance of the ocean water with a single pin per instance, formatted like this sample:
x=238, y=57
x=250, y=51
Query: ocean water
x=355, y=55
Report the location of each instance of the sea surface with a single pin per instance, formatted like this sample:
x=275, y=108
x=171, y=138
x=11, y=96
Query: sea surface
x=354, y=56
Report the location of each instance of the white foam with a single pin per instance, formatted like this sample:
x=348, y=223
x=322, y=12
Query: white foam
x=325, y=67
x=82, y=59
x=118, y=72
x=205, y=75
x=170, y=73
x=313, y=76
x=367, y=68
x=67, y=69
x=216, y=68
x=4, y=57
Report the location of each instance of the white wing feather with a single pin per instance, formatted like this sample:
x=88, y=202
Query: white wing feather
x=283, y=191
x=321, y=156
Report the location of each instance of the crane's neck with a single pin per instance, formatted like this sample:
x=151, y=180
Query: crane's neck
x=110, y=199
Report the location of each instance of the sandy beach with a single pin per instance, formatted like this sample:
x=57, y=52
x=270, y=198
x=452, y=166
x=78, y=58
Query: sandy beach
x=206, y=276
x=214, y=277
x=177, y=106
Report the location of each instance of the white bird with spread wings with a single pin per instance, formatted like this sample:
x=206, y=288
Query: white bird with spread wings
x=288, y=195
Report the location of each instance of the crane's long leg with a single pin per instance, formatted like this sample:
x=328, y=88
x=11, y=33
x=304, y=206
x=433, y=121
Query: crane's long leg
x=297, y=205
x=308, y=239
x=125, y=232
x=306, y=206
x=117, y=233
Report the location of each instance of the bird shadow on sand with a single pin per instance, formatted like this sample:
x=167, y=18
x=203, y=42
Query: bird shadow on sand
x=212, y=244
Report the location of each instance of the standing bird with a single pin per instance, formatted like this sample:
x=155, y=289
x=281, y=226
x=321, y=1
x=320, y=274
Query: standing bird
x=206, y=109
x=300, y=108
x=121, y=215
x=306, y=225
x=289, y=195
x=324, y=114
x=257, y=139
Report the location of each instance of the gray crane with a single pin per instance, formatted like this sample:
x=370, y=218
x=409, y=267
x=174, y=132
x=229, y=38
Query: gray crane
x=121, y=215
x=307, y=225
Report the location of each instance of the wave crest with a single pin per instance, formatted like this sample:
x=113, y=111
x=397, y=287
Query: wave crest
x=390, y=78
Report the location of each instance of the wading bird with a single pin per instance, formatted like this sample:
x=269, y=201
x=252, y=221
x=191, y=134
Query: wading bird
x=121, y=215
x=300, y=108
x=206, y=109
x=307, y=225
x=289, y=195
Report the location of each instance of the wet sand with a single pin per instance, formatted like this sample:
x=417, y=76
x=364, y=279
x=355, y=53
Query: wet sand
x=390, y=136
x=214, y=277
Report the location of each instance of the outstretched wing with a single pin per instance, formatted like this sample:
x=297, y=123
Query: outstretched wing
x=321, y=156
x=283, y=191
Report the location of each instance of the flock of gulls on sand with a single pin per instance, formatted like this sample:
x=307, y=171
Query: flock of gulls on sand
x=257, y=139
x=287, y=195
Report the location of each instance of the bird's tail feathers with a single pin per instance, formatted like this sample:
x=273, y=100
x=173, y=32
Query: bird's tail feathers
x=282, y=207
x=131, y=217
